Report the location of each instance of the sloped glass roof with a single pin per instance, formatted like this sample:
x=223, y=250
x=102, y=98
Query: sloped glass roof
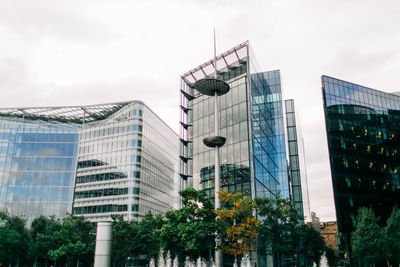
x=225, y=61
x=72, y=114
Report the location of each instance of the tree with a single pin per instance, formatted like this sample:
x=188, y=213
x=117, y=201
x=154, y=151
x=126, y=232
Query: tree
x=392, y=236
x=191, y=230
x=75, y=241
x=147, y=237
x=123, y=238
x=313, y=246
x=239, y=226
x=281, y=228
x=8, y=242
x=43, y=239
x=14, y=239
x=367, y=240
x=136, y=240
x=331, y=256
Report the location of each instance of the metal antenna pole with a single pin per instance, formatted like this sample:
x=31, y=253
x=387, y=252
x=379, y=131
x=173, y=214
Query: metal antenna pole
x=216, y=130
x=215, y=56
x=217, y=179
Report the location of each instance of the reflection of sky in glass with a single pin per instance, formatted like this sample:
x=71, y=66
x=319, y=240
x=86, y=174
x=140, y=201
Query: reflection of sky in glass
x=233, y=125
x=341, y=92
x=133, y=151
x=197, y=120
x=37, y=168
x=268, y=134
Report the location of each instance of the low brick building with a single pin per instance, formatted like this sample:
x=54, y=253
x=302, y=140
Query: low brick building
x=329, y=231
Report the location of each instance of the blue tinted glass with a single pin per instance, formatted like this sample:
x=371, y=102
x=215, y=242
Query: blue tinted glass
x=40, y=170
x=268, y=133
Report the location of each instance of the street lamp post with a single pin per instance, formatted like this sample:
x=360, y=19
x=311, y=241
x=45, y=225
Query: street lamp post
x=214, y=87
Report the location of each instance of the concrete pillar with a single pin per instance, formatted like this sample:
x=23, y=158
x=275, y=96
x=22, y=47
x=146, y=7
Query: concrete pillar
x=102, y=255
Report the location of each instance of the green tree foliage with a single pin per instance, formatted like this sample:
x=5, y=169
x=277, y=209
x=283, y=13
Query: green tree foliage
x=43, y=239
x=331, y=257
x=123, y=240
x=136, y=240
x=74, y=241
x=147, y=237
x=14, y=239
x=191, y=230
x=313, y=244
x=367, y=240
x=280, y=228
x=239, y=226
x=392, y=236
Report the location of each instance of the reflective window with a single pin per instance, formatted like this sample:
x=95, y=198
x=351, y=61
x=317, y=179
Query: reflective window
x=363, y=139
x=38, y=164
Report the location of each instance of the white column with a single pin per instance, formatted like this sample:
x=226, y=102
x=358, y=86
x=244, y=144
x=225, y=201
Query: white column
x=102, y=256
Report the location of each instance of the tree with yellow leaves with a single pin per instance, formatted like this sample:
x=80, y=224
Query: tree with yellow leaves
x=240, y=226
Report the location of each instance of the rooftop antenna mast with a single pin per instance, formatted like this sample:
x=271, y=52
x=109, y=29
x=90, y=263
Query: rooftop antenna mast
x=215, y=56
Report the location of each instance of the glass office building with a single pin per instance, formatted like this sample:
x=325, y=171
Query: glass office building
x=92, y=161
x=37, y=166
x=268, y=135
x=254, y=158
x=297, y=166
x=363, y=130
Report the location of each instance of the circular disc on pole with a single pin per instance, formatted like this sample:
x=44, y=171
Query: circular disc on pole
x=213, y=141
x=208, y=86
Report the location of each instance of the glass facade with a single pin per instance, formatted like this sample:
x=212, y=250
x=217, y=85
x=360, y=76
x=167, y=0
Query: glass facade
x=126, y=165
x=297, y=175
x=363, y=129
x=68, y=159
x=253, y=159
x=37, y=167
x=270, y=160
x=235, y=176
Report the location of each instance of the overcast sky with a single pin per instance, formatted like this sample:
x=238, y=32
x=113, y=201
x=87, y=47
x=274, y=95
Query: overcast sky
x=89, y=52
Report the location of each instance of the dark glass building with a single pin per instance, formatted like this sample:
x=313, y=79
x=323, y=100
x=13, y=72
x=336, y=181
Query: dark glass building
x=92, y=161
x=363, y=130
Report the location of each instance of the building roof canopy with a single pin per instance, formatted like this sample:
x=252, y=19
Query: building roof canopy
x=72, y=114
x=225, y=61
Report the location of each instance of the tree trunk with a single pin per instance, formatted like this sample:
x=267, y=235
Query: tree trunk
x=77, y=263
x=278, y=260
x=156, y=260
x=181, y=260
